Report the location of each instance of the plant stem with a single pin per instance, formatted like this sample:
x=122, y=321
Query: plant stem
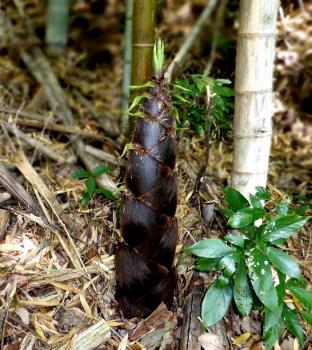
x=127, y=66
x=143, y=38
x=57, y=25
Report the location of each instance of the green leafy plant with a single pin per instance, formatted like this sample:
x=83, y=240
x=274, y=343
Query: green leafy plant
x=190, y=104
x=90, y=183
x=253, y=267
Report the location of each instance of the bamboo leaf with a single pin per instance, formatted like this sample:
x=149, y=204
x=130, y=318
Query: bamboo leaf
x=304, y=296
x=307, y=316
x=149, y=84
x=137, y=100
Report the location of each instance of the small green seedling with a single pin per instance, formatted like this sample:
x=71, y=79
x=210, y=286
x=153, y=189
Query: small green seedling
x=90, y=183
x=253, y=267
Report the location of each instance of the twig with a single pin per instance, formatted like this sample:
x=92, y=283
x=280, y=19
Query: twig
x=10, y=183
x=38, y=65
x=207, y=142
x=101, y=155
x=190, y=40
x=216, y=31
x=44, y=123
x=47, y=151
x=107, y=125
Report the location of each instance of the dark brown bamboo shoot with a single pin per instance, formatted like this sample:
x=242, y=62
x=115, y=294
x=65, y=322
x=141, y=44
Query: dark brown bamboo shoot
x=145, y=276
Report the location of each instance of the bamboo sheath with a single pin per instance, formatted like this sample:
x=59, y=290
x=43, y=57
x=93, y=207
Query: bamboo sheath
x=253, y=94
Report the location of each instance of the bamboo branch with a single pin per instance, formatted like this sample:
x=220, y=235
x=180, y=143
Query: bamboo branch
x=189, y=41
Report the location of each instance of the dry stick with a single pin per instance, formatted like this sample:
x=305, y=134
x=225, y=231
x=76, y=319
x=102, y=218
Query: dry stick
x=47, y=151
x=107, y=125
x=41, y=124
x=190, y=40
x=102, y=155
x=41, y=70
x=216, y=31
x=10, y=183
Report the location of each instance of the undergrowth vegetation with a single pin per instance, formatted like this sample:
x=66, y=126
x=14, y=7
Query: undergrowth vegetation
x=253, y=268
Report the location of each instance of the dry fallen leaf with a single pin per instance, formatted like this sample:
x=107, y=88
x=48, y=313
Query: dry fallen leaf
x=210, y=341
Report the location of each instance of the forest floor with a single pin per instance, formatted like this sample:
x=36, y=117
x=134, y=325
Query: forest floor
x=57, y=275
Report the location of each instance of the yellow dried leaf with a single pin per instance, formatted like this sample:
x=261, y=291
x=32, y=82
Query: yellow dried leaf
x=243, y=337
x=38, y=329
x=66, y=287
x=86, y=306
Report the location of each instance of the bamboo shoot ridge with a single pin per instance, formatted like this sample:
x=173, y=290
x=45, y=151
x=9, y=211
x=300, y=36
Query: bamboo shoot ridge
x=144, y=273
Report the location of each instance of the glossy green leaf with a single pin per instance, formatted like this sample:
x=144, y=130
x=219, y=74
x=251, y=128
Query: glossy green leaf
x=101, y=169
x=85, y=199
x=307, y=316
x=271, y=336
x=260, y=275
x=235, y=199
x=283, y=227
x=210, y=248
x=283, y=262
x=304, y=296
x=222, y=281
x=90, y=185
x=282, y=208
x=229, y=262
x=242, y=290
x=235, y=240
x=292, y=323
x=272, y=318
x=259, y=197
x=246, y=216
x=226, y=212
x=204, y=264
x=80, y=174
x=215, y=304
x=272, y=326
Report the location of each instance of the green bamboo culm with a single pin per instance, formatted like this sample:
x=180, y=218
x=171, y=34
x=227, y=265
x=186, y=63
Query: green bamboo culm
x=57, y=25
x=143, y=38
x=127, y=65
